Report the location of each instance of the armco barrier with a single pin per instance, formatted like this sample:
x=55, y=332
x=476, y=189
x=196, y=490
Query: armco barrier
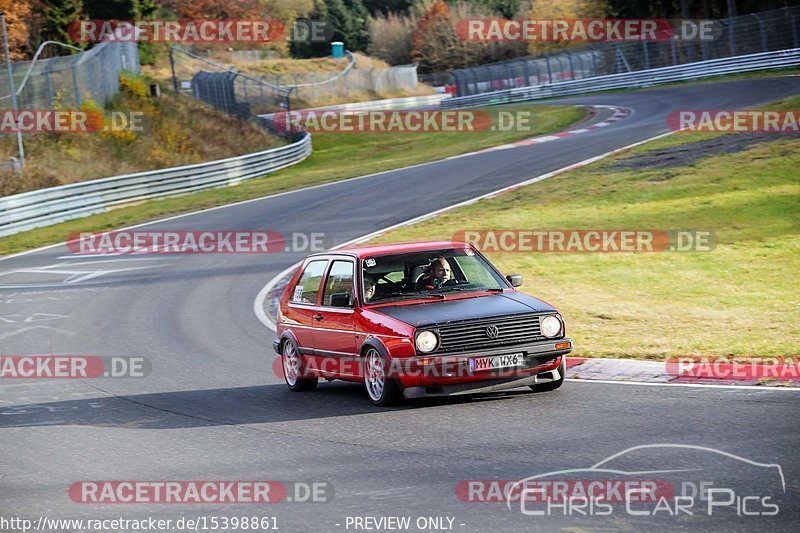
x=629, y=80
x=409, y=102
x=34, y=209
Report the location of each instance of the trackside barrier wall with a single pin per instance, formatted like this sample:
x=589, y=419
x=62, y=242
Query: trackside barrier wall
x=780, y=59
x=22, y=212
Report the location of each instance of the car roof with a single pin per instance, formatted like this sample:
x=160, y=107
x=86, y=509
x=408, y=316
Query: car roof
x=382, y=249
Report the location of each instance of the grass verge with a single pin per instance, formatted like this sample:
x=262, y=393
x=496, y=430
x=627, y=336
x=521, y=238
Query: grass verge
x=175, y=131
x=336, y=156
x=741, y=299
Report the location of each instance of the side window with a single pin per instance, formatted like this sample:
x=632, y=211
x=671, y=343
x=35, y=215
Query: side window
x=340, y=280
x=307, y=288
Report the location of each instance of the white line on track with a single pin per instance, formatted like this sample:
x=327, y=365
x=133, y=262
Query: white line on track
x=673, y=384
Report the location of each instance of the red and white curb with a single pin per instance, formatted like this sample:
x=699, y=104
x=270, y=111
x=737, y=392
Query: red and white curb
x=775, y=376
x=619, y=113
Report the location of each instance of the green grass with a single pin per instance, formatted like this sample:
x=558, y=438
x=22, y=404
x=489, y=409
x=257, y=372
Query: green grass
x=741, y=299
x=336, y=156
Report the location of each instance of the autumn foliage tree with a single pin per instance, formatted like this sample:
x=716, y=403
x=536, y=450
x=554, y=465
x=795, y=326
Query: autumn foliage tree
x=564, y=9
x=19, y=18
x=434, y=39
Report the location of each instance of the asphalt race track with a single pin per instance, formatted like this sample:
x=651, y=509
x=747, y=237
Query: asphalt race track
x=212, y=409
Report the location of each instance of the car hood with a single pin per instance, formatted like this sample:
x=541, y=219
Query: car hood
x=443, y=311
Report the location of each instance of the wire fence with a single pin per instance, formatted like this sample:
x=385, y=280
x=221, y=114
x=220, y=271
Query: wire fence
x=67, y=81
x=248, y=96
x=749, y=34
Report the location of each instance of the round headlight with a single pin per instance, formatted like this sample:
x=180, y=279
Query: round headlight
x=551, y=326
x=427, y=341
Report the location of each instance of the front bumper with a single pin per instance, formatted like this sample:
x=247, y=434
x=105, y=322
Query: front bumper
x=276, y=345
x=481, y=387
x=449, y=373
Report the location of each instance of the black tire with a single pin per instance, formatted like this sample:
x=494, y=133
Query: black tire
x=382, y=390
x=296, y=384
x=552, y=385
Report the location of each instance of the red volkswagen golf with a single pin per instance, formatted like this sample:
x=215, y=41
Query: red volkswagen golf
x=411, y=320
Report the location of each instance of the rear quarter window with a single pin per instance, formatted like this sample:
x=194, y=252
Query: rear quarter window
x=306, y=289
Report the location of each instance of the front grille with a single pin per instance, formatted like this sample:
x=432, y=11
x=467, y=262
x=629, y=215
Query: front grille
x=472, y=334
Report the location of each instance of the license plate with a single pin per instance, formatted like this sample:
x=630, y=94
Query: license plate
x=497, y=361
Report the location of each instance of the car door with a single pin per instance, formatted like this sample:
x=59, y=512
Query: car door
x=334, y=331
x=302, y=305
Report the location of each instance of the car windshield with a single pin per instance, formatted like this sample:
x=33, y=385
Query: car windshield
x=429, y=274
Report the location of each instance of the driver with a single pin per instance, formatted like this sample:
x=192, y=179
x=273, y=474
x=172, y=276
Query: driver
x=437, y=274
x=370, y=283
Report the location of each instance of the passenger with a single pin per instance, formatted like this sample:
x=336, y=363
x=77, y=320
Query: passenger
x=437, y=274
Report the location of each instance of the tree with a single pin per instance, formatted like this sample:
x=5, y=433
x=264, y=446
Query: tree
x=564, y=9
x=57, y=16
x=434, y=39
x=19, y=14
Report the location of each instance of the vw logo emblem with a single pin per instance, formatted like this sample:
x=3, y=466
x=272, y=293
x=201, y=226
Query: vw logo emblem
x=492, y=332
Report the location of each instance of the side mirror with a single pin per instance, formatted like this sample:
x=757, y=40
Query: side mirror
x=514, y=279
x=340, y=299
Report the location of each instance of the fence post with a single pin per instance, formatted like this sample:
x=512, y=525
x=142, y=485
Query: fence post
x=549, y=71
x=794, y=28
x=49, y=85
x=761, y=32
x=13, y=90
x=732, y=38
x=172, y=67
x=646, y=54
x=75, y=86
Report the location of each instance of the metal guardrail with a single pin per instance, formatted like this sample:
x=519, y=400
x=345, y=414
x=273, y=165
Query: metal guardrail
x=22, y=212
x=630, y=80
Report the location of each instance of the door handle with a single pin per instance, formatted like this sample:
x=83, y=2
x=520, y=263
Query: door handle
x=318, y=316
